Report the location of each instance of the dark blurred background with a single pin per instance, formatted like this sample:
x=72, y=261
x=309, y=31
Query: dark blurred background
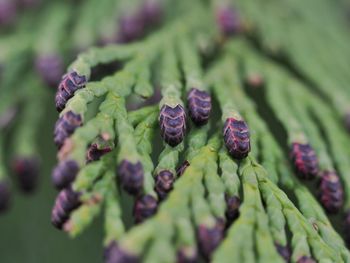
x=26, y=233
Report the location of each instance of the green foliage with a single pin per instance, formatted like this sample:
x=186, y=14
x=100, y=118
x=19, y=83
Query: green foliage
x=277, y=83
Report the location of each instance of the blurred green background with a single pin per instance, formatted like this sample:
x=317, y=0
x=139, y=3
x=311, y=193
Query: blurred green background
x=26, y=233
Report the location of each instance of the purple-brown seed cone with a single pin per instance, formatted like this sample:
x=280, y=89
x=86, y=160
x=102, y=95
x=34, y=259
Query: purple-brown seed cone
x=164, y=183
x=145, y=207
x=131, y=177
x=304, y=160
x=182, y=168
x=65, y=127
x=64, y=173
x=210, y=238
x=232, y=208
x=199, y=106
x=5, y=196
x=186, y=255
x=8, y=12
x=51, y=68
x=283, y=251
x=237, y=138
x=172, y=124
x=306, y=259
x=228, y=20
x=70, y=83
x=331, y=192
x=152, y=12
x=95, y=152
x=66, y=201
x=114, y=254
x=26, y=170
x=131, y=27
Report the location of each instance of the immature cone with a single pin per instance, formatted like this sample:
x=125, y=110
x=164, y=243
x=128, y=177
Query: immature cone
x=5, y=196
x=70, y=83
x=64, y=173
x=26, y=170
x=304, y=160
x=164, y=182
x=8, y=12
x=50, y=67
x=186, y=255
x=255, y=81
x=210, y=238
x=131, y=177
x=283, y=251
x=228, y=20
x=66, y=201
x=131, y=27
x=96, y=151
x=151, y=12
x=199, y=106
x=182, y=168
x=331, y=192
x=237, y=138
x=232, y=208
x=65, y=127
x=305, y=259
x=145, y=207
x=113, y=254
x=172, y=124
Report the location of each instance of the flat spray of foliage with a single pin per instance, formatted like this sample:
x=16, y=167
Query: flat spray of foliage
x=212, y=115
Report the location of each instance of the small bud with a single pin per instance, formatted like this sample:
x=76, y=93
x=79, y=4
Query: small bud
x=164, y=183
x=255, y=81
x=182, y=168
x=151, y=12
x=199, y=106
x=50, y=68
x=210, y=238
x=65, y=127
x=331, y=192
x=131, y=27
x=283, y=251
x=186, y=255
x=228, y=21
x=5, y=196
x=304, y=160
x=8, y=12
x=172, y=124
x=70, y=83
x=237, y=138
x=26, y=170
x=232, y=208
x=306, y=259
x=114, y=254
x=98, y=149
x=144, y=207
x=66, y=201
x=131, y=177
x=64, y=173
